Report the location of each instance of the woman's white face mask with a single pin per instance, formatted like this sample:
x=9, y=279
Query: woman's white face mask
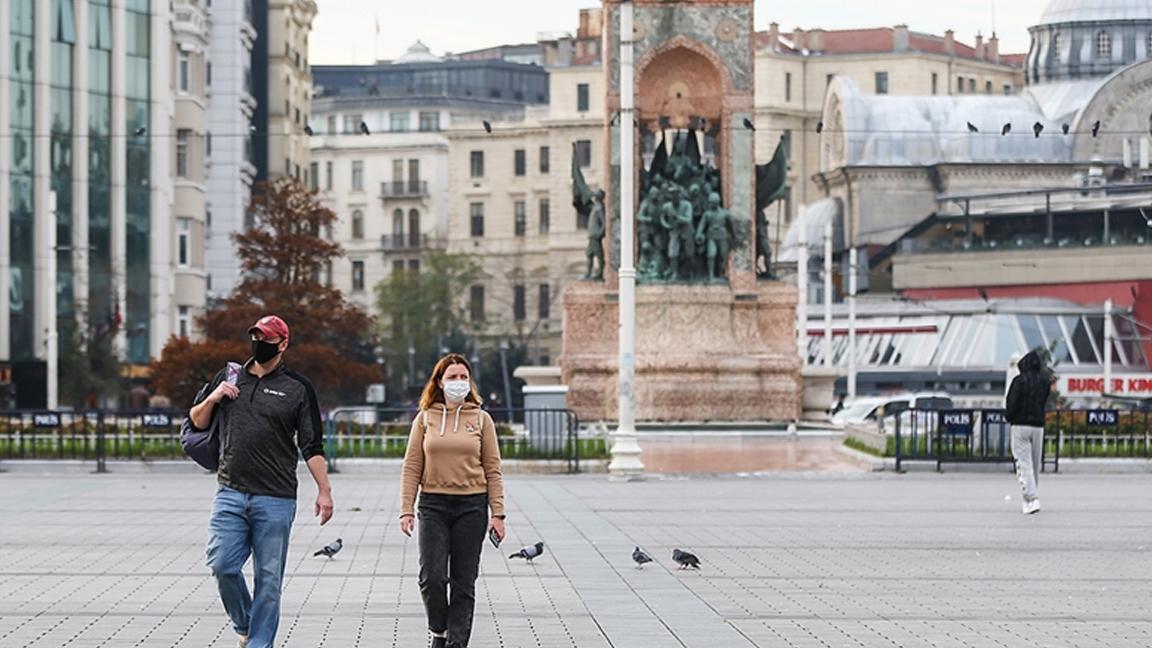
x=456, y=390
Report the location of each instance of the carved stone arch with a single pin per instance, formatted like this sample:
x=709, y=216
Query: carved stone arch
x=684, y=75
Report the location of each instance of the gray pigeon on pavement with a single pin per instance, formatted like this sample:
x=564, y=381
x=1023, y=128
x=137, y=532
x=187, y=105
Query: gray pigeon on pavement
x=685, y=559
x=640, y=557
x=331, y=550
x=530, y=553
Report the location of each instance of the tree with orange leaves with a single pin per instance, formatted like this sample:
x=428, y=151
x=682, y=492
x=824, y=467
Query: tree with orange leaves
x=283, y=256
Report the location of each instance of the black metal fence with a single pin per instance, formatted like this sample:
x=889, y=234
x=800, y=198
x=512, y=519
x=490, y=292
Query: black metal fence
x=984, y=436
x=90, y=435
x=521, y=433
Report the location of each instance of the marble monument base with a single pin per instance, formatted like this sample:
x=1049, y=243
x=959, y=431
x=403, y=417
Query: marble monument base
x=703, y=352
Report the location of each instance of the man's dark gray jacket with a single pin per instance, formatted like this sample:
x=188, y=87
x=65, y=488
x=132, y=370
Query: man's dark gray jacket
x=273, y=421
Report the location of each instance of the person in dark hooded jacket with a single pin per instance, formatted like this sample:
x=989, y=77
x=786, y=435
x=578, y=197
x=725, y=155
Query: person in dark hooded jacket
x=1025, y=405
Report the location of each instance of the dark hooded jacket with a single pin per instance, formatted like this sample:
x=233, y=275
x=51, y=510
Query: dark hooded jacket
x=1029, y=392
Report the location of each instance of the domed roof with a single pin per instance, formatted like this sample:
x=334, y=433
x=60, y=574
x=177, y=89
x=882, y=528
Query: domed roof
x=418, y=53
x=1066, y=11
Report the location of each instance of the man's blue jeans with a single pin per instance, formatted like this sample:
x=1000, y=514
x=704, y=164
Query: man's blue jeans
x=256, y=525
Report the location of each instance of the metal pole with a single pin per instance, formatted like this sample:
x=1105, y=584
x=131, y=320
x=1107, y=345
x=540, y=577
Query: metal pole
x=828, y=294
x=1107, y=348
x=625, y=448
x=852, y=270
x=51, y=338
x=507, y=382
x=802, y=288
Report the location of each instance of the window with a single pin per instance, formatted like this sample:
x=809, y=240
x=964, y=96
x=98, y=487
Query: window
x=582, y=97
x=414, y=176
x=521, y=216
x=208, y=144
x=959, y=85
x=352, y=123
x=182, y=137
x=987, y=87
x=182, y=321
x=328, y=175
x=971, y=86
x=518, y=309
x=398, y=266
x=429, y=122
x=413, y=265
x=331, y=124
x=476, y=210
x=357, y=275
x=414, y=228
x=287, y=167
x=1056, y=45
x=545, y=216
x=476, y=303
x=208, y=74
x=1104, y=45
x=357, y=175
x=787, y=86
x=398, y=227
x=543, y=304
x=520, y=162
x=184, y=73
x=183, y=249
x=477, y=164
x=584, y=153
x=881, y=83
x=1148, y=46
x=314, y=176
x=545, y=161
x=1007, y=88
x=358, y=225
x=398, y=122
x=935, y=82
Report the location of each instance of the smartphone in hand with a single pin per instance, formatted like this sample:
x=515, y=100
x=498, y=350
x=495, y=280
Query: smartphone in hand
x=495, y=539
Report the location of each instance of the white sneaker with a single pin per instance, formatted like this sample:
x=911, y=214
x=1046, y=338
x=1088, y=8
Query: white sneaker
x=243, y=643
x=1031, y=507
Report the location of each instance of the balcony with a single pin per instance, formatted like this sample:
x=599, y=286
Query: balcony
x=403, y=190
x=188, y=18
x=410, y=243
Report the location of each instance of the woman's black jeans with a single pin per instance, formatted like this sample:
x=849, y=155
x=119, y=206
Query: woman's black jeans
x=451, y=536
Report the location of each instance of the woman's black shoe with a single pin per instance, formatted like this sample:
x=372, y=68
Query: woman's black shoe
x=439, y=642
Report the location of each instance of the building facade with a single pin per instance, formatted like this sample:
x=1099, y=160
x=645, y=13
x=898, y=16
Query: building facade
x=86, y=189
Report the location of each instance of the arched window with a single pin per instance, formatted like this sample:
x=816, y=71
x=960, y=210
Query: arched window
x=1104, y=45
x=414, y=228
x=357, y=225
x=1148, y=49
x=398, y=228
x=1056, y=45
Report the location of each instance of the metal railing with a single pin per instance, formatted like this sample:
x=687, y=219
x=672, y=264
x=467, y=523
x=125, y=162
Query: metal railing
x=91, y=435
x=410, y=242
x=521, y=433
x=403, y=189
x=968, y=436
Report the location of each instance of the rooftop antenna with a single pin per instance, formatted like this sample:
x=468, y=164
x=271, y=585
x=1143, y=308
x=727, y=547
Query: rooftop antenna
x=993, y=3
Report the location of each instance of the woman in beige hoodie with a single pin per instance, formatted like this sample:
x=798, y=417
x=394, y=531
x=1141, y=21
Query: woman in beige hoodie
x=453, y=460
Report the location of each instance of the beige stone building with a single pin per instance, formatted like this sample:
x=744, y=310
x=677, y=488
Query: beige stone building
x=289, y=86
x=794, y=71
x=511, y=205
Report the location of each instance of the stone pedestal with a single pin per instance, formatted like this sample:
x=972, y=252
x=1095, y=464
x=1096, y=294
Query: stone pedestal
x=703, y=352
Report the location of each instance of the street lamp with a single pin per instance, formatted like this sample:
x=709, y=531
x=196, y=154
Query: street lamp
x=625, y=464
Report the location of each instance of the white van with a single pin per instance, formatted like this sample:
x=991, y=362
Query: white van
x=870, y=409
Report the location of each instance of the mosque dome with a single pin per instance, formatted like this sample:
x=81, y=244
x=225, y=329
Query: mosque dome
x=418, y=53
x=1069, y=11
x=1088, y=39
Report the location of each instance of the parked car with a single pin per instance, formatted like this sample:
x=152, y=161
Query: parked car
x=870, y=409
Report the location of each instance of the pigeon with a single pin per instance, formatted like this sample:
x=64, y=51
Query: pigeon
x=749, y=125
x=140, y=131
x=972, y=128
x=640, y=558
x=331, y=550
x=819, y=127
x=1096, y=128
x=1007, y=129
x=685, y=559
x=530, y=553
x=1065, y=128
x=487, y=126
x=1037, y=128
x=308, y=130
x=364, y=129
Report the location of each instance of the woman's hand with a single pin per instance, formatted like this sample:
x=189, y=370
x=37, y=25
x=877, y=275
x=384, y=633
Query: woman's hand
x=407, y=524
x=497, y=524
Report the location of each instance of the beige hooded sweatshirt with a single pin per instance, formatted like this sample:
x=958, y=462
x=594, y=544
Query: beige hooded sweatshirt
x=452, y=451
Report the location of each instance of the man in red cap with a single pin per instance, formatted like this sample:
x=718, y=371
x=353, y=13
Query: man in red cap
x=271, y=418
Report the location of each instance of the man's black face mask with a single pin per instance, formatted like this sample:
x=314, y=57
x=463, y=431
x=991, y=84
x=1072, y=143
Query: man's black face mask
x=264, y=351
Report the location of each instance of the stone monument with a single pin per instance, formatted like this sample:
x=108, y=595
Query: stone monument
x=713, y=343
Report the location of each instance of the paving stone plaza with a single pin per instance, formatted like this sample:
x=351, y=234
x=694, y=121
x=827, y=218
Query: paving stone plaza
x=832, y=559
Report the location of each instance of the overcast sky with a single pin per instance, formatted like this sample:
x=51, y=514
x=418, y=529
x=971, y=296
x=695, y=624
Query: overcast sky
x=345, y=30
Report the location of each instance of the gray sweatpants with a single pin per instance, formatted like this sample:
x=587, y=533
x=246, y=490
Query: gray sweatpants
x=1028, y=451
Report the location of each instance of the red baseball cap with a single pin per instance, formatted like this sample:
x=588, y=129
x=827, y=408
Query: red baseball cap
x=271, y=326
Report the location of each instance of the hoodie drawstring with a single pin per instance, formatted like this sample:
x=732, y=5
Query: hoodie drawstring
x=444, y=419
